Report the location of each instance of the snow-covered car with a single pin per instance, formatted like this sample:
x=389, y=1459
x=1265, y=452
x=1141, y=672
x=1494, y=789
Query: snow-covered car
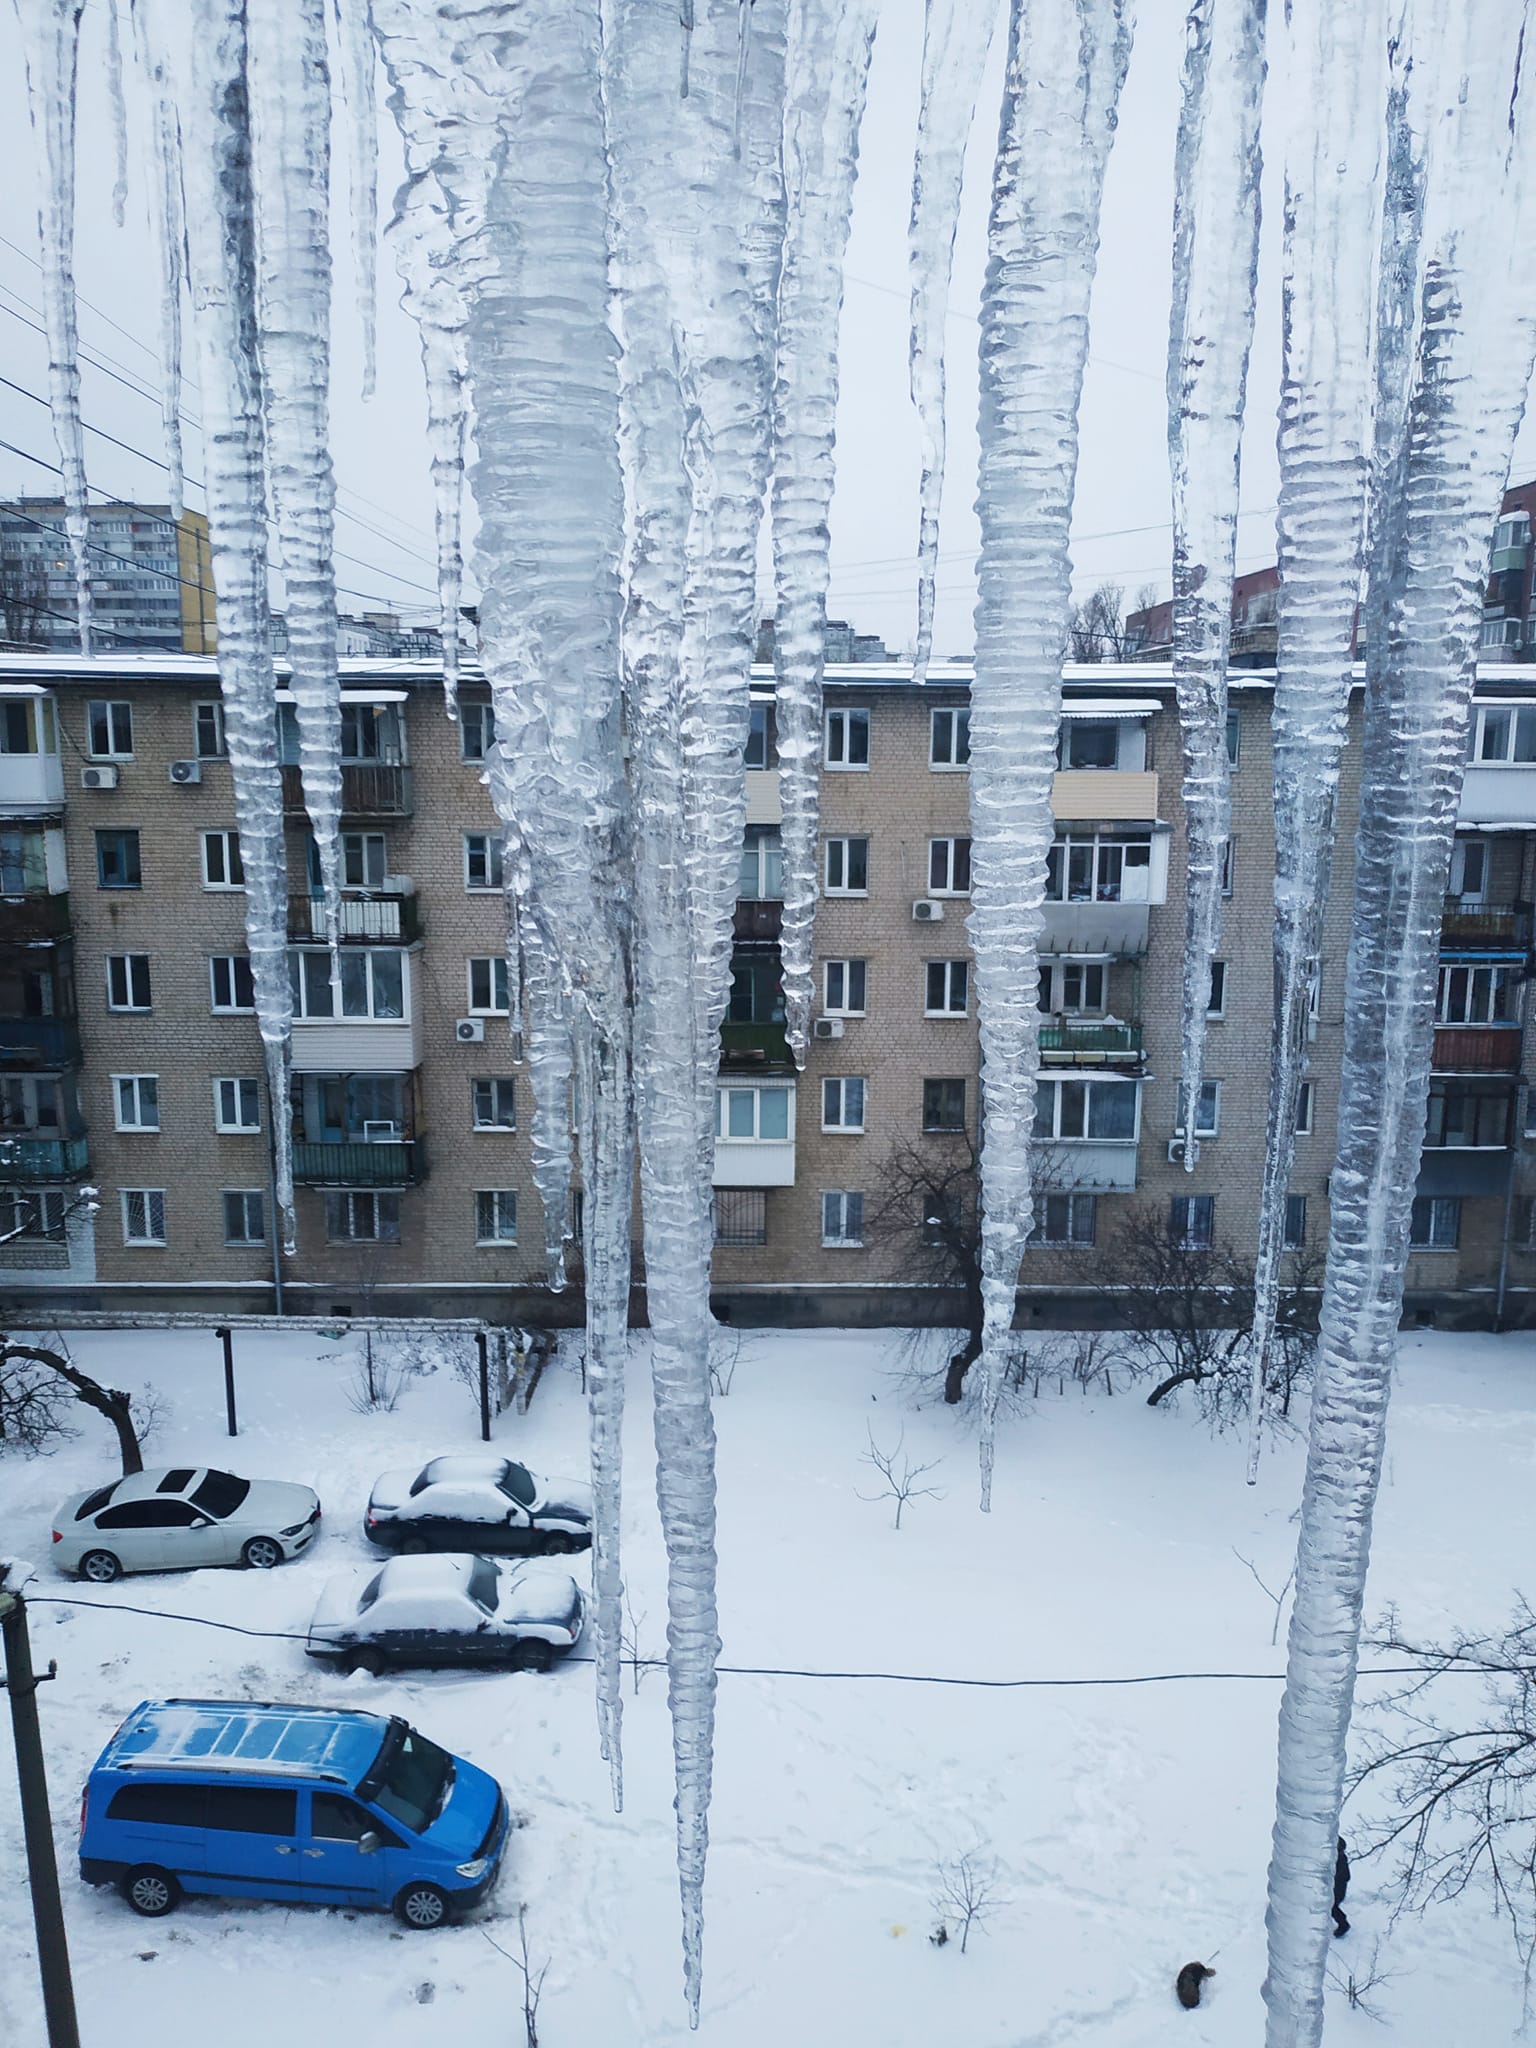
x=449, y=1610
x=478, y=1501
x=179, y=1517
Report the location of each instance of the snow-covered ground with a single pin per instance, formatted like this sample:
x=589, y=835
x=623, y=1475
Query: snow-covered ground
x=1129, y=1824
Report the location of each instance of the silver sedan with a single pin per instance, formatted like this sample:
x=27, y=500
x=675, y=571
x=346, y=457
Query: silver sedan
x=179, y=1517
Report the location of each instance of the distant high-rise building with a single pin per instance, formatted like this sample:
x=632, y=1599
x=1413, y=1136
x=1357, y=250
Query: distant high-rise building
x=151, y=578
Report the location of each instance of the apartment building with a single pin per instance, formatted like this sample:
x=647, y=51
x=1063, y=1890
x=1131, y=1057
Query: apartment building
x=130, y=1060
x=151, y=577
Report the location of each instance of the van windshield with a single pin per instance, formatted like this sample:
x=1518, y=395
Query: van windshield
x=411, y=1778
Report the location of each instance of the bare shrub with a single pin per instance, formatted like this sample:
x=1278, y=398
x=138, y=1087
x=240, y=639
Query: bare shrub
x=900, y=1476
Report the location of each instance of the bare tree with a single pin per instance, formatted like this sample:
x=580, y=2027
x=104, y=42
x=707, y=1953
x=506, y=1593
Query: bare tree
x=23, y=597
x=533, y=1979
x=1276, y=1600
x=1360, y=1985
x=1096, y=627
x=900, y=1478
x=926, y=1222
x=113, y=1403
x=967, y=1894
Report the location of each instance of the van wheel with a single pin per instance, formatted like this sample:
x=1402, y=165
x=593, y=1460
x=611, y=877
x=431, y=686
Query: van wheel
x=534, y=1655
x=365, y=1660
x=151, y=1891
x=422, y=1906
x=100, y=1567
x=262, y=1553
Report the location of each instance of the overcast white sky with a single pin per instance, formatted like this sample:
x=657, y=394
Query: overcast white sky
x=1121, y=524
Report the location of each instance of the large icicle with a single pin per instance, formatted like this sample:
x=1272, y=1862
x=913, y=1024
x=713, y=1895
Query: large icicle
x=354, y=31
x=957, y=38
x=1215, y=265
x=119, y=113
x=169, y=227
x=50, y=31
x=290, y=116
x=1066, y=62
x=828, y=69
x=1428, y=557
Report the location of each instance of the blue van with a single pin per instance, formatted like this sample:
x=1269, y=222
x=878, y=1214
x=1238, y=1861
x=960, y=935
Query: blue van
x=309, y=1804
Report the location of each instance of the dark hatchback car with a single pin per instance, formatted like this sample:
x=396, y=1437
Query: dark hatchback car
x=478, y=1501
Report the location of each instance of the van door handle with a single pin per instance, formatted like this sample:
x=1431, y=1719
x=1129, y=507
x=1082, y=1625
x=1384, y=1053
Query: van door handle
x=283, y=1849
x=314, y=1852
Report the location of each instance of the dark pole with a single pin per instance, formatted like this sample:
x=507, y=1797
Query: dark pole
x=37, y=1827
x=227, y=1338
x=485, y=1386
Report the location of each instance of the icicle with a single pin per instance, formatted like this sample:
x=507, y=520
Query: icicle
x=51, y=41
x=1333, y=175
x=1066, y=62
x=354, y=31
x=291, y=111
x=119, y=114
x=548, y=1041
x=170, y=238
x=1428, y=560
x=1215, y=265
x=957, y=37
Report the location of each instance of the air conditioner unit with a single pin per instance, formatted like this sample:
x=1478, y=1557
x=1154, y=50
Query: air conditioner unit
x=926, y=911
x=1176, y=1151
x=186, y=771
x=827, y=1027
x=99, y=778
x=470, y=1031
x=381, y=1133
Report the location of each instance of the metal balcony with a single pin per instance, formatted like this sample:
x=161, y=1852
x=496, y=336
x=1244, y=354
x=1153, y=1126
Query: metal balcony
x=1474, y=1049
x=1073, y=1042
x=24, y=1161
x=1503, y=928
x=36, y=915
x=375, y=917
x=753, y=1045
x=356, y=1164
x=39, y=1042
x=369, y=789
x=757, y=922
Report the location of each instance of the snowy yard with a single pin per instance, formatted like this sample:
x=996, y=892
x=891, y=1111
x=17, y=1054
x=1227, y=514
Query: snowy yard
x=1130, y=1824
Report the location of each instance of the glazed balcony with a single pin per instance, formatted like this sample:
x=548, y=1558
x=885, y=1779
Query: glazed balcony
x=757, y=922
x=1485, y=927
x=369, y=789
x=358, y=1163
x=25, y=1161
x=373, y=917
x=753, y=1045
x=1477, y=1049
x=1090, y=1042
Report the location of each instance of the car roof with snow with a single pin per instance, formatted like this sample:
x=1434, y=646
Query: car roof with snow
x=247, y=1736
x=473, y=1468
x=411, y=1592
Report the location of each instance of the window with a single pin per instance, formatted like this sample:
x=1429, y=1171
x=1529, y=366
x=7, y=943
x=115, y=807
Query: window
x=944, y=1105
x=842, y=1218
x=847, y=739
x=759, y=748
x=847, y=868
x=358, y=1216
x=1226, y=867
x=1106, y=1112
x=23, y=861
x=370, y=732
x=127, y=981
x=1064, y=1220
x=949, y=739
x=136, y=1101
x=26, y=726
x=237, y=1103
x=947, y=987
x=753, y=1115
x=949, y=867
x=143, y=1215
x=482, y=860
x=1099, y=869
x=1435, y=1224
x=1304, y=1102
x=843, y=985
x=208, y=731
x=222, y=866
x=1085, y=743
x=493, y=1104
x=244, y=1216
x=109, y=730
x=117, y=861
x=1504, y=732
x=1234, y=736
x=363, y=865
x=1073, y=987
x=488, y=986
x=1469, y=870
x=741, y=1217
x=1295, y=1222
x=842, y=1103
x=1476, y=995
x=1207, y=1112
x=372, y=983
x=229, y=975
x=39, y=1215
x=760, y=878
x=496, y=1216
x=334, y=1819
x=31, y=1102
x=1217, y=1006
x=477, y=730
x=1469, y=1116
x=1192, y=1222
x=757, y=989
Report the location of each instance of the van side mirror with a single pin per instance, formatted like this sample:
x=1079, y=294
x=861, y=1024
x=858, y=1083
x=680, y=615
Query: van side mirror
x=368, y=1843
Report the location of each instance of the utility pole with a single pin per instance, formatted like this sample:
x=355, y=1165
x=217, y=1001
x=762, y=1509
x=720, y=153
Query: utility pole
x=21, y=1682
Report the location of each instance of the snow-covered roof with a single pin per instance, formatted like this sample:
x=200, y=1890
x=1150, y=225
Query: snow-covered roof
x=473, y=1467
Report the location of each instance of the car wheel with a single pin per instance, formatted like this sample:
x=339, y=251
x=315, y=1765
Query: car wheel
x=365, y=1660
x=534, y=1656
x=151, y=1891
x=100, y=1567
x=414, y=1546
x=558, y=1544
x=421, y=1906
x=262, y=1553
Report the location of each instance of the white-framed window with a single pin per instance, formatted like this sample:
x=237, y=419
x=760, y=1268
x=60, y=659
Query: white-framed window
x=1192, y=1222
x=843, y=986
x=760, y=877
x=1435, y=1225
x=1513, y=531
x=496, y=1216
x=372, y=983
x=753, y=1115
x=1217, y=1006
x=1504, y=734
x=488, y=993
x=1099, y=868
x=1234, y=735
x=949, y=867
x=949, y=739
x=362, y=1216
x=1092, y=1110
x=1469, y=870
x=1069, y=1220
x=109, y=730
x=1207, y=1112
x=245, y=1217
x=741, y=1217
x=477, y=728
x=842, y=1218
x=1295, y=1222
x=846, y=870
x=842, y=1102
x=208, y=730
x=143, y=1215
x=493, y=1103
x=364, y=861
x=1088, y=743
x=1228, y=859
x=1305, y=1105
x=136, y=1102
x=222, y=866
x=1073, y=988
x=236, y=1104
x=128, y=981
x=482, y=860
x=846, y=739
x=1477, y=995
x=944, y=1105
x=230, y=983
x=946, y=988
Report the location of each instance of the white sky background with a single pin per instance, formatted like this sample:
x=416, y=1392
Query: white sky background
x=1121, y=524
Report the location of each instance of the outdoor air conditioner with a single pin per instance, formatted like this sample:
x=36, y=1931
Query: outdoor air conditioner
x=470, y=1031
x=99, y=778
x=926, y=911
x=381, y=1133
x=186, y=771
x=827, y=1027
x=1176, y=1151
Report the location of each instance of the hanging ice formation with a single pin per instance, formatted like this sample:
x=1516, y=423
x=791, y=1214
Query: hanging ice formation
x=51, y=40
x=119, y=113
x=170, y=247
x=1437, y=487
x=1215, y=266
x=354, y=35
x=1066, y=63
x=957, y=37
x=828, y=67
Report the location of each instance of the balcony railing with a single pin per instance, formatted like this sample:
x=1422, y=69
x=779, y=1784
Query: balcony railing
x=25, y=1160
x=1067, y=1041
x=356, y=1164
x=757, y=922
x=1491, y=927
x=1472, y=1049
x=35, y=915
x=369, y=789
x=39, y=1042
x=377, y=917
x=753, y=1045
